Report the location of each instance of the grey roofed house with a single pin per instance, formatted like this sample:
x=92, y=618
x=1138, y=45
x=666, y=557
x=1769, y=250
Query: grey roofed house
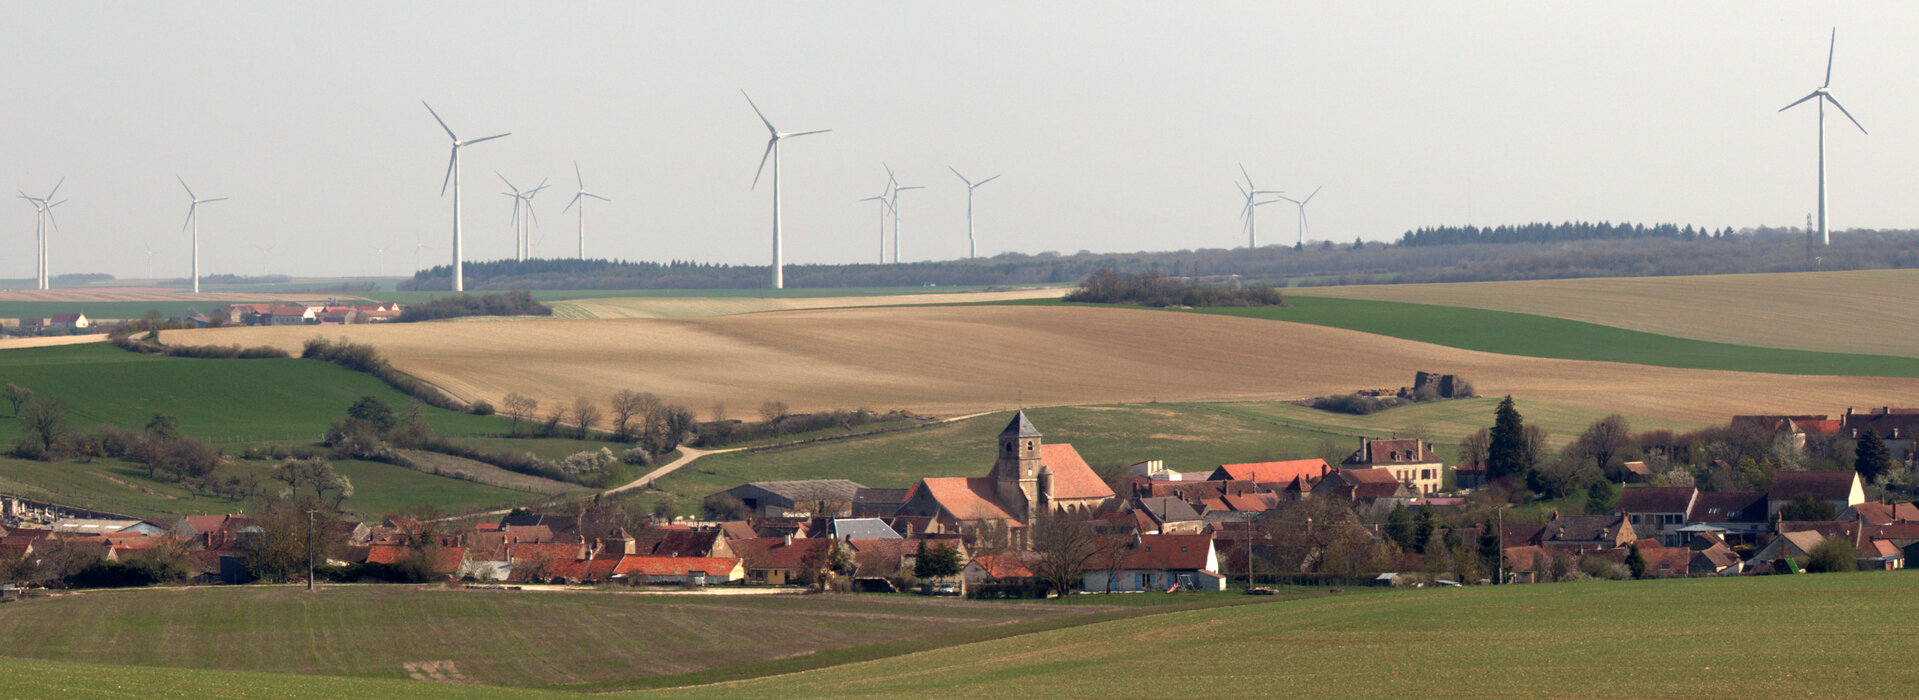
x=877, y=503
x=863, y=529
x=1166, y=509
x=776, y=498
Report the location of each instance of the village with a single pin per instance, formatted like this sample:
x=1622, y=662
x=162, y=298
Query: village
x=333, y=312
x=1041, y=522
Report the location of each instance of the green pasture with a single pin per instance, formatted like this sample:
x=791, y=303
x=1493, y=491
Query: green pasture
x=1822, y=635
x=217, y=400
x=107, y=309
x=574, y=640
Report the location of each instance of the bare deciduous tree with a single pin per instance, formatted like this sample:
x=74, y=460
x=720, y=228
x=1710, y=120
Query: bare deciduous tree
x=519, y=408
x=1066, y=545
x=626, y=405
x=771, y=412
x=586, y=415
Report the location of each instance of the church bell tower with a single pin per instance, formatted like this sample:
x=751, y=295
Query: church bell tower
x=1017, y=472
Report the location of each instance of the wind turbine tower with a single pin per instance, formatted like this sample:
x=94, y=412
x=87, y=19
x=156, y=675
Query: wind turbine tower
x=773, y=151
x=522, y=234
x=1247, y=212
x=194, y=223
x=895, y=206
x=453, y=177
x=1301, y=223
x=44, y=225
x=884, y=206
x=576, y=200
x=972, y=251
x=1823, y=94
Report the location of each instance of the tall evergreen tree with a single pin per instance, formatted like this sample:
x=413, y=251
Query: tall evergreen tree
x=1399, y=529
x=1423, y=531
x=1489, y=551
x=1506, y=455
x=1871, y=458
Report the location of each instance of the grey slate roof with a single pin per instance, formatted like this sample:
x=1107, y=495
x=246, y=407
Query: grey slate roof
x=1020, y=427
x=863, y=529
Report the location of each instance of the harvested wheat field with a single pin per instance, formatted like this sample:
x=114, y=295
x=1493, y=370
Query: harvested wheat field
x=49, y=340
x=701, y=307
x=952, y=360
x=1828, y=311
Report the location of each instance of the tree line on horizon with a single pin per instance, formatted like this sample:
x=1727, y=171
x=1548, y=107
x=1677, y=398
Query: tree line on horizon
x=1547, y=232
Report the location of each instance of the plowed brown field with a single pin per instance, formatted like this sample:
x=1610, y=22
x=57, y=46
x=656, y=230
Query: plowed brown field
x=698, y=307
x=948, y=360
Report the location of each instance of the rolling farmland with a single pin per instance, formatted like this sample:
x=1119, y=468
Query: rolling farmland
x=963, y=359
x=1854, y=311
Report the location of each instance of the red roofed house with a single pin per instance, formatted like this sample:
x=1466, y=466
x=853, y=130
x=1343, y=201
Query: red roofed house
x=697, y=571
x=783, y=560
x=72, y=322
x=1411, y=461
x=1364, y=486
x=1028, y=477
x=1158, y=563
x=1298, y=474
x=1001, y=568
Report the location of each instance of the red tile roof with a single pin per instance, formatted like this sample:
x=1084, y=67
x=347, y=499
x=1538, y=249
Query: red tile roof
x=1072, y=477
x=975, y=498
x=714, y=567
x=1169, y=553
x=1273, y=474
x=1007, y=565
x=775, y=553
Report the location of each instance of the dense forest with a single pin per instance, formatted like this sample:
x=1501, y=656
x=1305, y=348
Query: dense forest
x=1514, y=257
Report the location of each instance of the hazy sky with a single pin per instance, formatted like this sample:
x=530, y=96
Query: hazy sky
x=1116, y=126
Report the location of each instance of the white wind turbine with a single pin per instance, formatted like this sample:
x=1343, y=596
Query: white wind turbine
x=576, y=200
x=895, y=206
x=453, y=177
x=1247, y=212
x=1824, y=95
x=522, y=238
x=44, y=224
x=884, y=206
x=1302, y=214
x=193, y=221
x=971, y=250
x=773, y=151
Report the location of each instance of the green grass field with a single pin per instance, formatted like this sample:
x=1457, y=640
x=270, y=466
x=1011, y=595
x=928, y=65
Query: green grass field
x=1820, y=635
x=1544, y=336
x=577, y=640
x=1823, y=635
x=216, y=400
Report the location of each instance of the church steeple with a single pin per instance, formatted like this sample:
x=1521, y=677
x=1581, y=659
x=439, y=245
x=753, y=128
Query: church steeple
x=1016, y=473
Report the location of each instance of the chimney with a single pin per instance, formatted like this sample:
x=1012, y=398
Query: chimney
x=789, y=539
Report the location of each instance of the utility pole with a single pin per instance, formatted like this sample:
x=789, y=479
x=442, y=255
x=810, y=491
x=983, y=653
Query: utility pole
x=310, y=549
x=1501, y=565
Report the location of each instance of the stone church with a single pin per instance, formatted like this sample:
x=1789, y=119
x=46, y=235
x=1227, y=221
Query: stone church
x=1028, y=477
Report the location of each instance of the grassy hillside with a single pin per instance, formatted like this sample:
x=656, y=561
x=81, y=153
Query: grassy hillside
x=216, y=400
x=1826, y=311
x=1187, y=437
x=526, y=639
x=1822, y=635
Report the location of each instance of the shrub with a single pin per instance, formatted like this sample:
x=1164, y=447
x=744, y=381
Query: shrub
x=502, y=304
x=1150, y=289
x=481, y=408
x=1832, y=555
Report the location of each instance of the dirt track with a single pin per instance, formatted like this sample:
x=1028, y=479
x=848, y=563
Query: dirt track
x=950, y=360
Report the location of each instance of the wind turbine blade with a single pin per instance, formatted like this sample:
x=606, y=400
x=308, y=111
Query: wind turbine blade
x=805, y=133
x=769, y=151
x=1842, y=110
x=190, y=209
x=762, y=115
x=183, y=185
x=1242, y=171
x=890, y=178
x=56, y=187
x=215, y=199
x=436, y=117
x=571, y=202
x=913, y=187
x=1795, y=103
x=449, y=170
x=577, y=176
x=956, y=173
x=1242, y=190
x=1834, y=43
x=987, y=180
x=1290, y=199
x=509, y=183
x=489, y=138
x=1311, y=196
x=869, y=199
x=530, y=214
x=55, y=222
x=595, y=196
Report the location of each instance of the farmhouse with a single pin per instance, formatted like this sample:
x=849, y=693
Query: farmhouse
x=1158, y=563
x=1840, y=488
x=776, y=499
x=1412, y=462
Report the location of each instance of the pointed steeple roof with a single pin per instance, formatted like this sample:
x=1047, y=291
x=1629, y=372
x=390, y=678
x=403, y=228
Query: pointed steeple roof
x=1020, y=427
